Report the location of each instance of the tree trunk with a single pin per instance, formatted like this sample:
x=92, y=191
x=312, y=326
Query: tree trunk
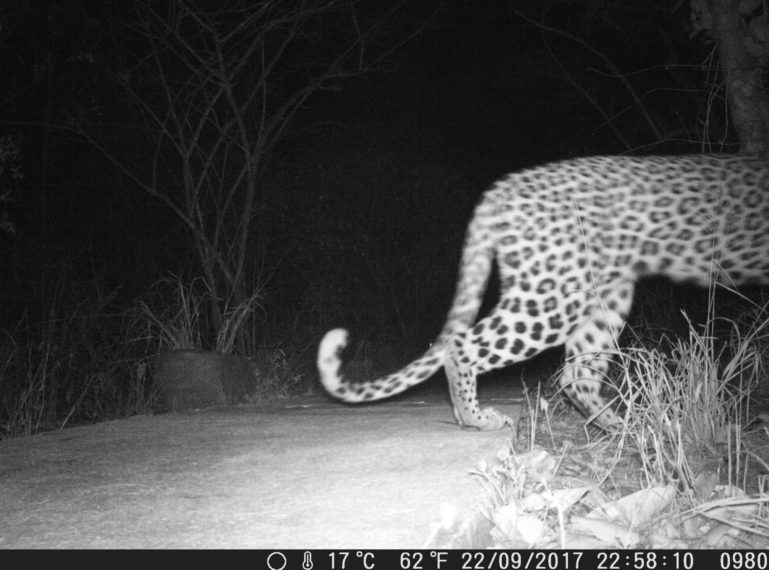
x=746, y=95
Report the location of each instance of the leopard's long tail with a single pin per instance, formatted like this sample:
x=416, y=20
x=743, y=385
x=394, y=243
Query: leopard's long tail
x=474, y=270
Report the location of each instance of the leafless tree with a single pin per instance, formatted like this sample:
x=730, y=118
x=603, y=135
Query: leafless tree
x=217, y=85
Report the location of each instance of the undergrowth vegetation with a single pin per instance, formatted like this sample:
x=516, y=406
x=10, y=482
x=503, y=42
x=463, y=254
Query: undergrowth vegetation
x=86, y=357
x=78, y=362
x=79, y=331
x=687, y=470
x=691, y=401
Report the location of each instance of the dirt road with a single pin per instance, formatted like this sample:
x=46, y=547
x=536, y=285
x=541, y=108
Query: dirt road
x=305, y=473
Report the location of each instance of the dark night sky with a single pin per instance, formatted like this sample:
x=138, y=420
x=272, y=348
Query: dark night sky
x=387, y=167
x=488, y=90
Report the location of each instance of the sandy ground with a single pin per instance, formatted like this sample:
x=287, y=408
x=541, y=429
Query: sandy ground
x=304, y=473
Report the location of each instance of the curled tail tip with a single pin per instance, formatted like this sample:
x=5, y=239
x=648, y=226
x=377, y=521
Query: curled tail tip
x=330, y=357
x=336, y=336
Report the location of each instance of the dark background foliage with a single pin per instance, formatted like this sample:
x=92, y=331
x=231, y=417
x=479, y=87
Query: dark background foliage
x=364, y=199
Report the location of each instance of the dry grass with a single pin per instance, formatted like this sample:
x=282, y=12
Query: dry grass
x=175, y=316
x=75, y=365
x=685, y=471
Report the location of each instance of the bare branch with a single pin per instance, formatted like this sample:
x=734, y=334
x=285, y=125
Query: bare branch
x=609, y=65
x=216, y=89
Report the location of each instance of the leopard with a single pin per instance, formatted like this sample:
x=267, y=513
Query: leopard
x=570, y=240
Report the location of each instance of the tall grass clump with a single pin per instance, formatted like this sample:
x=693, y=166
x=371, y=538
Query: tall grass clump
x=176, y=315
x=687, y=404
x=72, y=363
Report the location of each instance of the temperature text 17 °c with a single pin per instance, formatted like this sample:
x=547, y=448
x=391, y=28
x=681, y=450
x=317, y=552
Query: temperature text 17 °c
x=345, y=560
